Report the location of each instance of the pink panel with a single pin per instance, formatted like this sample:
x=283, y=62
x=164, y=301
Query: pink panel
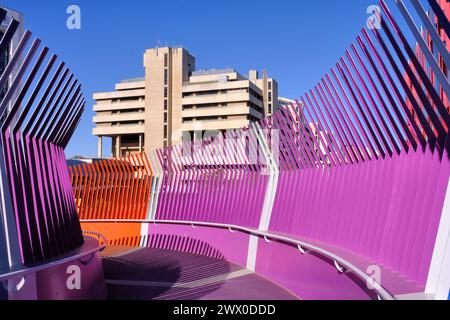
x=232, y=245
x=387, y=211
x=52, y=283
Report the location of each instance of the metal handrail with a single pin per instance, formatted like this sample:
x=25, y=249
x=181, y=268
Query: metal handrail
x=47, y=265
x=304, y=247
x=99, y=237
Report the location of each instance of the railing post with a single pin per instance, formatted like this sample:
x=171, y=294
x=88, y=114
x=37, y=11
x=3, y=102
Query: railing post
x=271, y=161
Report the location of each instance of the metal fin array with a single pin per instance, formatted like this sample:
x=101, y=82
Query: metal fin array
x=42, y=105
x=113, y=189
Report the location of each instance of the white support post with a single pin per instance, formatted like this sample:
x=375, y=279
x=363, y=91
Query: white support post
x=156, y=185
x=271, y=159
x=252, y=252
x=438, y=282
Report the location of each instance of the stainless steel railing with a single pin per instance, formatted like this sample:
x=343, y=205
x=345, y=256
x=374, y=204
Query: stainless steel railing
x=24, y=271
x=340, y=263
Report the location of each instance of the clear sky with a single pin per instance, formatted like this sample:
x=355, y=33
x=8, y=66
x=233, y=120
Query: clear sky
x=297, y=41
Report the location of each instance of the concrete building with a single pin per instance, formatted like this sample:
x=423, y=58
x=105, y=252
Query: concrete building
x=121, y=116
x=174, y=102
x=224, y=99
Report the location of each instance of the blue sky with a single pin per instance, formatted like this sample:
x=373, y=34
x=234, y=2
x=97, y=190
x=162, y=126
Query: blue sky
x=297, y=41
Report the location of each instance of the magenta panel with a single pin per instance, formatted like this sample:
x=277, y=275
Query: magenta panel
x=386, y=211
x=232, y=245
x=52, y=283
x=234, y=197
x=307, y=276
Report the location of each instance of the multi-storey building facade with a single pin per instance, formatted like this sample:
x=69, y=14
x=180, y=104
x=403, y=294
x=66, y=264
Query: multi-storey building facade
x=174, y=102
x=121, y=116
x=223, y=99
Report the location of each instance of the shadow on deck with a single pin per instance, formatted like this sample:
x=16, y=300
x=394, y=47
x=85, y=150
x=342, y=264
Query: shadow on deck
x=158, y=274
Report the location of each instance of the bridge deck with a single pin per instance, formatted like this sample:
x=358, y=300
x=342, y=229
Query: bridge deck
x=156, y=274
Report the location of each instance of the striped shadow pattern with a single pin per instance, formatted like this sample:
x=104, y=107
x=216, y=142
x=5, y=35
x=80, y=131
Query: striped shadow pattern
x=41, y=108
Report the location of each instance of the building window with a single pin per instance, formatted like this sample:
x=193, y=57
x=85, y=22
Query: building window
x=270, y=96
x=166, y=60
x=270, y=85
x=165, y=92
x=166, y=77
x=165, y=105
x=270, y=108
x=165, y=131
x=165, y=117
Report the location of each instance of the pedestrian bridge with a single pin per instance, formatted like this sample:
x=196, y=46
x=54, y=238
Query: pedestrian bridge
x=343, y=194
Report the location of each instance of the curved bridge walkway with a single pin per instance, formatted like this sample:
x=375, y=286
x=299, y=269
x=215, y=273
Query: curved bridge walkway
x=159, y=274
